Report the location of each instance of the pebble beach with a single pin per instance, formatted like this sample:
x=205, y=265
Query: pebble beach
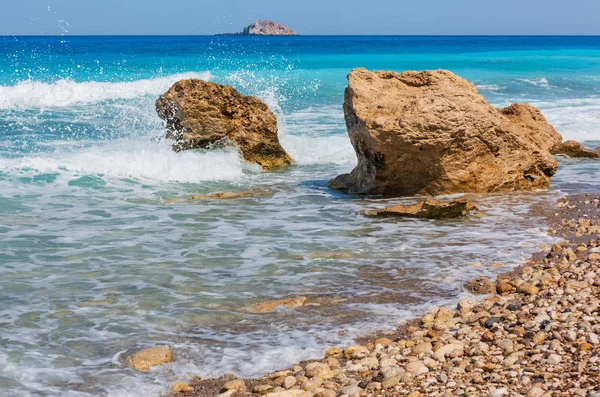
x=532, y=332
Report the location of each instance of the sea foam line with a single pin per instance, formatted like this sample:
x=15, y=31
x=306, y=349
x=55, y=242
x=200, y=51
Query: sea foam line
x=32, y=94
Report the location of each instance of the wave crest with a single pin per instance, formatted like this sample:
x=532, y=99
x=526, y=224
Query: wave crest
x=62, y=93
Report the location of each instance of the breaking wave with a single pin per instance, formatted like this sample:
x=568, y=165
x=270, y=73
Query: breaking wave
x=31, y=94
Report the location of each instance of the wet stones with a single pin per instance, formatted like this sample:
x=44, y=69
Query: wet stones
x=145, y=359
x=480, y=286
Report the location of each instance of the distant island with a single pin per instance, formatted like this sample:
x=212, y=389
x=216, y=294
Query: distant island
x=264, y=28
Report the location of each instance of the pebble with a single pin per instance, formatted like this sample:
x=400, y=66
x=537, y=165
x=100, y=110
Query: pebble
x=350, y=390
x=554, y=359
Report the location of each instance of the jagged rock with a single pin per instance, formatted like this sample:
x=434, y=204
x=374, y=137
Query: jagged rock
x=429, y=208
x=433, y=133
x=575, y=149
x=148, y=358
x=200, y=114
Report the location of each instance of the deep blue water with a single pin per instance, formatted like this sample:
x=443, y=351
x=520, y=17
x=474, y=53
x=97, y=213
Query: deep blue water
x=94, y=263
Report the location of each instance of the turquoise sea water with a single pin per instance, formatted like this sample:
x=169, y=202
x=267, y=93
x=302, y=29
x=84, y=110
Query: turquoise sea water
x=94, y=264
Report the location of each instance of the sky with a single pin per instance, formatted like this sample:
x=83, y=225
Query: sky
x=309, y=17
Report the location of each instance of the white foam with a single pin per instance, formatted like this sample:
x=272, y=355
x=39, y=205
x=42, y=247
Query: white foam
x=489, y=87
x=62, y=93
x=539, y=82
x=334, y=149
x=577, y=119
x=133, y=159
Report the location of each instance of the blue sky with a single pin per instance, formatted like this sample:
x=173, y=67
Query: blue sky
x=306, y=16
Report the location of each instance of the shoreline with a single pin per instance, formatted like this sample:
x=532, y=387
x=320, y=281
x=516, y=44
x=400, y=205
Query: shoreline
x=516, y=340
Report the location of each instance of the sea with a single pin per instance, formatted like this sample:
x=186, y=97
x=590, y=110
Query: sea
x=101, y=254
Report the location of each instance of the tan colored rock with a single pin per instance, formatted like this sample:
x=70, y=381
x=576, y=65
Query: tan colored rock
x=270, y=306
x=236, y=385
x=254, y=193
x=433, y=133
x=429, y=209
x=574, y=149
x=262, y=389
x=201, y=114
x=334, y=352
x=319, y=370
x=356, y=351
x=385, y=342
x=528, y=289
x=182, y=387
x=148, y=358
x=480, y=286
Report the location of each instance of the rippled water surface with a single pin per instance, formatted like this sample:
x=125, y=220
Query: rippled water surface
x=101, y=253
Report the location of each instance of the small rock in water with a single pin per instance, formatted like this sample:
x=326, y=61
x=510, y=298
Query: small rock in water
x=148, y=358
x=429, y=209
x=182, y=387
x=270, y=306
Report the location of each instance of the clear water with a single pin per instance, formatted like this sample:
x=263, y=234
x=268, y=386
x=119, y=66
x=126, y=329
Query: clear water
x=94, y=263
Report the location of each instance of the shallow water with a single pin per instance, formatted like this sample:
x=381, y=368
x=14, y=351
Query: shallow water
x=94, y=262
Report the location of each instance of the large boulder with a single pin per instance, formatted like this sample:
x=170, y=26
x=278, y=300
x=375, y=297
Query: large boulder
x=200, y=114
x=433, y=133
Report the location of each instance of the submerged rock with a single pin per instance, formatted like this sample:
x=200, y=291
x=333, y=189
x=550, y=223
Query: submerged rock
x=429, y=208
x=433, y=133
x=201, y=114
x=148, y=358
x=575, y=149
x=254, y=193
x=270, y=306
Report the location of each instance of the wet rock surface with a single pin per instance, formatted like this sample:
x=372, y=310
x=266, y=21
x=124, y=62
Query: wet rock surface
x=145, y=359
x=199, y=115
x=432, y=133
x=428, y=209
x=575, y=149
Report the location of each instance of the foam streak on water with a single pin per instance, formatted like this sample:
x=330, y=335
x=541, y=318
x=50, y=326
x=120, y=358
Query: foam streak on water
x=101, y=253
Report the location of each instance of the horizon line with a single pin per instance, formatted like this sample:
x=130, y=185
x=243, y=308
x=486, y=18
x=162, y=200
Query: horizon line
x=300, y=35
